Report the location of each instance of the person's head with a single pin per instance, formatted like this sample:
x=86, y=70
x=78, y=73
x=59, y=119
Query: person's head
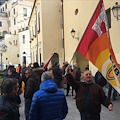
x=87, y=76
x=35, y=65
x=28, y=72
x=57, y=64
x=23, y=65
x=46, y=76
x=75, y=65
x=66, y=62
x=11, y=71
x=10, y=86
x=19, y=65
x=70, y=66
x=42, y=63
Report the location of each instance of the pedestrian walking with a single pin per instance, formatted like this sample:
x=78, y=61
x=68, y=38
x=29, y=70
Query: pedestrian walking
x=9, y=109
x=76, y=72
x=31, y=87
x=23, y=69
x=18, y=69
x=13, y=74
x=57, y=73
x=100, y=80
x=68, y=86
x=114, y=94
x=89, y=96
x=49, y=103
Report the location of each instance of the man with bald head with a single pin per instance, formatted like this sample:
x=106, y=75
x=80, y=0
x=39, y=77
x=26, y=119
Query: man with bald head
x=89, y=96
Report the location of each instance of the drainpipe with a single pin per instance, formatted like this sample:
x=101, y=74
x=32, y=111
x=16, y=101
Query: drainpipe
x=36, y=35
x=63, y=30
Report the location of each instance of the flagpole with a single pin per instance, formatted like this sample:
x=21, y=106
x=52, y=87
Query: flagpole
x=84, y=31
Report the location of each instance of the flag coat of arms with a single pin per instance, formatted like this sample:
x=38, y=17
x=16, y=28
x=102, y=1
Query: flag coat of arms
x=95, y=46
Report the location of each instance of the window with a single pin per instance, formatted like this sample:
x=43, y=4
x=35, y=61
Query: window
x=36, y=55
x=17, y=55
x=14, y=21
x=24, y=59
x=0, y=24
x=9, y=24
x=3, y=8
x=9, y=13
x=23, y=39
x=6, y=6
x=14, y=10
x=24, y=11
x=39, y=22
x=6, y=14
x=108, y=13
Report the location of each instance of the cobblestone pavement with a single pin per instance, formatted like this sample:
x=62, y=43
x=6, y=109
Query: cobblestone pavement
x=73, y=113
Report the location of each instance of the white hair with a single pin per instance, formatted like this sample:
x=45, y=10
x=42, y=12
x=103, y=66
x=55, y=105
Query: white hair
x=75, y=64
x=46, y=76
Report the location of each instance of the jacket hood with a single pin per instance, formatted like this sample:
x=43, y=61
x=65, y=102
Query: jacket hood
x=48, y=86
x=38, y=69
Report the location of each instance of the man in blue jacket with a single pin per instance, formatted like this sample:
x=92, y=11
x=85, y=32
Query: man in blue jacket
x=49, y=103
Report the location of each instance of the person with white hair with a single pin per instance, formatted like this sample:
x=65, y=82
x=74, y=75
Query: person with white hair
x=76, y=72
x=48, y=103
x=89, y=96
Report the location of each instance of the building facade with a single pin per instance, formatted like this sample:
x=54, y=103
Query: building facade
x=18, y=13
x=51, y=23
x=46, y=31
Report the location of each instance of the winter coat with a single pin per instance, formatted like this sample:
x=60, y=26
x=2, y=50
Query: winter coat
x=16, y=76
x=57, y=73
x=37, y=72
x=77, y=74
x=49, y=103
x=9, y=109
x=97, y=95
x=31, y=87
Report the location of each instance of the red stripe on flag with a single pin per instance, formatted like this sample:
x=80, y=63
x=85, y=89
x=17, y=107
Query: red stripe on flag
x=45, y=66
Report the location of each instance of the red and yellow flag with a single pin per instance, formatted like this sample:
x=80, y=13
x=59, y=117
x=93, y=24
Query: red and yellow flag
x=95, y=46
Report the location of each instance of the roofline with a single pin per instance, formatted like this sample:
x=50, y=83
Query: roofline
x=32, y=11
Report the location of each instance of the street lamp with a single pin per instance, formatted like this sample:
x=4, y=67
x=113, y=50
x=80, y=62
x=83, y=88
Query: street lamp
x=4, y=49
x=73, y=34
x=116, y=11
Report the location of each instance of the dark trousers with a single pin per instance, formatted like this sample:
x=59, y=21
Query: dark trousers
x=110, y=91
x=27, y=107
x=68, y=88
x=88, y=116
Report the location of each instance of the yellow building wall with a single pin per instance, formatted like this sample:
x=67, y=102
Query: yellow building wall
x=50, y=35
x=51, y=29
x=79, y=23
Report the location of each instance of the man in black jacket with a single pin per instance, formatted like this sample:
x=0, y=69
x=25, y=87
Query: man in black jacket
x=31, y=86
x=9, y=109
x=57, y=73
x=13, y=74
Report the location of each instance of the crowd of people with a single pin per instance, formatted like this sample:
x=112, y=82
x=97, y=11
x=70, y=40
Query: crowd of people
x=44, y=100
